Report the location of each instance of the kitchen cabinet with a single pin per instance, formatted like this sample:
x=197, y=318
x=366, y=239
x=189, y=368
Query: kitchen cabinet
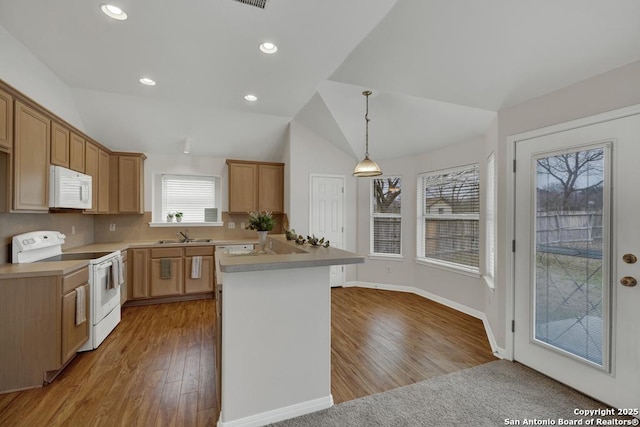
x=6, y=121
x=38, y=334
x=127, y=183
x=138, y=274
x=31, y=159
x=255, y=186
x=74, y=336
x=97, y=165
x=76, y=152
x=6, y=150
x=166, y=272
x=60, y=139
x=205, y=282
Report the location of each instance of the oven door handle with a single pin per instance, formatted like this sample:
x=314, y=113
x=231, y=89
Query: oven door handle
x=105, y=265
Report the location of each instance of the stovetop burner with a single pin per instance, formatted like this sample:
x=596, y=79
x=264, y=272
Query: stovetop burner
x=75, y=256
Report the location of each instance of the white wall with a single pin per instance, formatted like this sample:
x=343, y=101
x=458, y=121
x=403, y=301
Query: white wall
x=22, y=70
x=309, y=154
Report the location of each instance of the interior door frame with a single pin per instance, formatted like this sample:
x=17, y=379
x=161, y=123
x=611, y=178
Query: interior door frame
x=344, y=206
x=510, y=258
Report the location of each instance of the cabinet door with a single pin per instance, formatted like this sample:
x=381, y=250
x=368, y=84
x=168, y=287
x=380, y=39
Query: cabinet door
x=76, y=153
x=271, y=188
x=243, y=187
x=59, y=145
x=73, y=336
x=31, y=159
x=169, y=284
x=205, y=282
x=6, y=120
x=139, y=284
x=91, y=155
x=130, y=182
x=103, y=181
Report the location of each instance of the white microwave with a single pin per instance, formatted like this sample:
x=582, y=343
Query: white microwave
x=69, y=189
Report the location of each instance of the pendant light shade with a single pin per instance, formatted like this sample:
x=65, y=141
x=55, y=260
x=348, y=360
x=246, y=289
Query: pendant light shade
x=367, y=167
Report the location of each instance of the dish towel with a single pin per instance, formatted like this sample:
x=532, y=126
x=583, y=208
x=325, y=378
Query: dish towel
x=196, y=267
x=117, y=274
x=81, y=308
x=165, y=268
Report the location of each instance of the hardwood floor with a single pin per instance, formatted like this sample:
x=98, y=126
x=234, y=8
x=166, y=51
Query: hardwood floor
x=157, y=367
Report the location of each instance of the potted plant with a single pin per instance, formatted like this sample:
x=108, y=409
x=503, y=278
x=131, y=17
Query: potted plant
x=262, y=222
x=170, y=216
x=179, y=216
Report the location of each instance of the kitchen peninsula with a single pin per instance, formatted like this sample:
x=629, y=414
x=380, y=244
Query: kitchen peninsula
x=274, y=331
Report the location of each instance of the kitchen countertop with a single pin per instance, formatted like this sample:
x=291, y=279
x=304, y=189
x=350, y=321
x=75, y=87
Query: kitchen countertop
x=287, y=255
x=58, y=268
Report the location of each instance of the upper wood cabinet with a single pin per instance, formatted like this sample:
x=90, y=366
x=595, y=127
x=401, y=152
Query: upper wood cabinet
x=96, y=164
x=76, y=153
x=103, y=181
x=31, y=159
x=127, y=183
x=59, y=145
x=6, y=121
x=255, y=186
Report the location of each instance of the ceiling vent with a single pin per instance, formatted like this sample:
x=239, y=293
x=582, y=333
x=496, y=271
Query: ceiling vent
x=257, y=3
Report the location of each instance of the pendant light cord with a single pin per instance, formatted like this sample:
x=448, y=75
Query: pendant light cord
x=366, y=119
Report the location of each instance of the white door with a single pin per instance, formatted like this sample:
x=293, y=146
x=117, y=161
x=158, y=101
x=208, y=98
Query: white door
x=577, y=212
x=327, y=216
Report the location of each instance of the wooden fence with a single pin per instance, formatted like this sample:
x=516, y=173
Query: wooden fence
x=568, y=227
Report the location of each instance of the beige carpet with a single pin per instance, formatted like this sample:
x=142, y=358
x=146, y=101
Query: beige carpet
x=494, y=394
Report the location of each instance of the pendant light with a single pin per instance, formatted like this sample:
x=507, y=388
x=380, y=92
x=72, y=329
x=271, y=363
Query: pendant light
x=367, y=167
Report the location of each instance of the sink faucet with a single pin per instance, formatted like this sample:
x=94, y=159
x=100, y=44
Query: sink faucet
x=185, y=235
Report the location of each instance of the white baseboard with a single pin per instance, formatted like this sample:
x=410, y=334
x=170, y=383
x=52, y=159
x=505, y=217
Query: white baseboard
x=497, y=351
x=280, y=414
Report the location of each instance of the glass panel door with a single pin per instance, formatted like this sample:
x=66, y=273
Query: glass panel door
x=571, y=273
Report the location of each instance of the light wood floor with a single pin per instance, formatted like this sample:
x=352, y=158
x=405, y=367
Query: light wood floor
x=157, y=367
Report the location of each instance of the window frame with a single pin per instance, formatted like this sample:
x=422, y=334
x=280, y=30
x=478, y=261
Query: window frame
x=158, y=219
x=422, y=216
x=373, y=215
x=490, y=209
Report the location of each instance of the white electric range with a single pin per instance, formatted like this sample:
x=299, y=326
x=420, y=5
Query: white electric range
x=105, y=277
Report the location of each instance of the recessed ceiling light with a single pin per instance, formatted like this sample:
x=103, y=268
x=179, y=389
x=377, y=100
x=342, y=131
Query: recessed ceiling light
x=268, y=48
x=147, y=81
x=113, y=12
x=250, y=97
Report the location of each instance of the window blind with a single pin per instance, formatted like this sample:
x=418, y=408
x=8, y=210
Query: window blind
x=490, y=216
x=386, y=216
x=449, y=203
x=191, y=195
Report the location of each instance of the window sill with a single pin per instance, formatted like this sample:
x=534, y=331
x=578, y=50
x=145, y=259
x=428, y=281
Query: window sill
x=489, y=282
x=386, y=257
x=471, y=272
x=186, y=224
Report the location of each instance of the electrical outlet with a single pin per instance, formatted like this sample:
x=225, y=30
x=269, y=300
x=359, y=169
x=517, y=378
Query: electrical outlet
x=231, y=225
x=73, y=229
x=388, y=269
x=242, y=225
x=112, y=227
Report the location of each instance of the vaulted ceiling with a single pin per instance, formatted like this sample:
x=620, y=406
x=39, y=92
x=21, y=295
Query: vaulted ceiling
x=439, y=69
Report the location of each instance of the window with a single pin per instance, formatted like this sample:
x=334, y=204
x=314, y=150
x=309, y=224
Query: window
x=386, y=221
x=491, y=217
x=197, y=197
x=448, y=217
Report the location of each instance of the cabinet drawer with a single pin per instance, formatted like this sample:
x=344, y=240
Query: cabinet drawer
x=74, y=280
x=166, y=252
x=199, y=250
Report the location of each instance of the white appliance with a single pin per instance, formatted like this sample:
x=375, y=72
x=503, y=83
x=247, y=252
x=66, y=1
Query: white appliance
x=69, y=189
x=104, y=278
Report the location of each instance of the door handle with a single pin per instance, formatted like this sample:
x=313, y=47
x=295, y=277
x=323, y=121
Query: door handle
x=628, y=281
x=629, y=258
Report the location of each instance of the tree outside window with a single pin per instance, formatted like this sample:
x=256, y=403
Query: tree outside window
x=386, y=218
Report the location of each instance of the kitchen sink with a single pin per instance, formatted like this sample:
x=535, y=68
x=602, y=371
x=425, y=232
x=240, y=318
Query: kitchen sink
x=168, y=241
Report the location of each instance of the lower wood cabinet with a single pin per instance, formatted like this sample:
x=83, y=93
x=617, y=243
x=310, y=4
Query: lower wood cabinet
x=38, y=331
x=156, y=273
